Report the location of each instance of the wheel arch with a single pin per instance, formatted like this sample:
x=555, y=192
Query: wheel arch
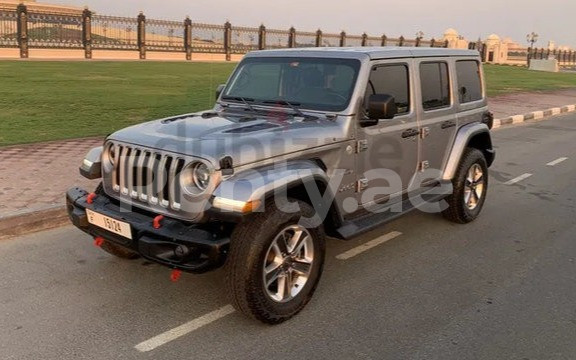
x=297, y=180
x=475, y=135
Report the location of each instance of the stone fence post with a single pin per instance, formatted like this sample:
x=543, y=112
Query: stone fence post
x=22, y=24
x=87, y=33
x=142, y=36
x=188, y=38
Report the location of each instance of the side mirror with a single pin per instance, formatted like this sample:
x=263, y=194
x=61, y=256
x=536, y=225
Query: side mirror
x=219, y=90
x=380, y=106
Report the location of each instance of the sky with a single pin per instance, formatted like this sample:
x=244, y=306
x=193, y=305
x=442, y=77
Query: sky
x=551, y=19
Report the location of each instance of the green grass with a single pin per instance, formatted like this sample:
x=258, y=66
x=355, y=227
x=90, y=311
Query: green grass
x=509, y=79
x=42, y=101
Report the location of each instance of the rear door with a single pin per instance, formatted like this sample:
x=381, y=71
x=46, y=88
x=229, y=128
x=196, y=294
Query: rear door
x=436, y=112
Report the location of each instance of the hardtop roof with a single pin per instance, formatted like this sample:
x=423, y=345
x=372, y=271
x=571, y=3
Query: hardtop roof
x=372, y=53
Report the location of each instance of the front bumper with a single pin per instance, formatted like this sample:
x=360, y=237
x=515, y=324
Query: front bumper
x=189, y=247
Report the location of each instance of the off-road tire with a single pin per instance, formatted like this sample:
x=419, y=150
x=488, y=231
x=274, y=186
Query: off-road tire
x=249, y=245
x=457, y=210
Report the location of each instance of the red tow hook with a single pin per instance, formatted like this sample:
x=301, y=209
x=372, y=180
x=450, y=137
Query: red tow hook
x=90, y=198
x=175, y=275
x=156, y=223
x=98, y=241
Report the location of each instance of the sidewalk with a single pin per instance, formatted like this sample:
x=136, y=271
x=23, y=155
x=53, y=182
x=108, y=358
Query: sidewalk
x=523, y=103
x=35, y=177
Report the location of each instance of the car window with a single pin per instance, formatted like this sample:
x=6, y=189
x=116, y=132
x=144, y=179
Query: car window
x=469, y=81
x=391, y=80
x=435, y=85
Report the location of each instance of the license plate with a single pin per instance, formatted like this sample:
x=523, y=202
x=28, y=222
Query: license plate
x=117, y=227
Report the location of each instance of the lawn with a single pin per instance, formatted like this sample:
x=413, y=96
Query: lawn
x=41, y=101
x=508, y=79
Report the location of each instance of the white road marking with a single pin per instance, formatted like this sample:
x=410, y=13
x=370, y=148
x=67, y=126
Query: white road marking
x=369, y=245
x=518, y=179
x=557, y=161
x=184, y=329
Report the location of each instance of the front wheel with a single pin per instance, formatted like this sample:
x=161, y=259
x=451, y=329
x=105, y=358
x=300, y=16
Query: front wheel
x=275, y=263
x=470, y=186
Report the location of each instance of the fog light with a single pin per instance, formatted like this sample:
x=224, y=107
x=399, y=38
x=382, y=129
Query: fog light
x=181, y=252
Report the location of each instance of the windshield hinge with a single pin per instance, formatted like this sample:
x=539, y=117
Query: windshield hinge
x=361, y=146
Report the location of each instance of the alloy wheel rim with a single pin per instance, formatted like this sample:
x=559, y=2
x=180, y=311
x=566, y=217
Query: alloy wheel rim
x=288, y=263
x=474, y=187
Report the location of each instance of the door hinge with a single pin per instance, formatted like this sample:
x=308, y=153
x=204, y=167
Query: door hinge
x=424, y=165
x=361, y=145
x=362, y=185
x=424, y=132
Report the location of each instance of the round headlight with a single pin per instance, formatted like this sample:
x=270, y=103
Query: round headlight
x=195, y=178
x=201, y=176
x=110, y=153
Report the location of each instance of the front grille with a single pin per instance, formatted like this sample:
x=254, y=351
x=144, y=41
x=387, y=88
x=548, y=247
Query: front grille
x=146, y=175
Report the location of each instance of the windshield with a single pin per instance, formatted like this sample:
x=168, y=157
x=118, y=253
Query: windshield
x=309, y=83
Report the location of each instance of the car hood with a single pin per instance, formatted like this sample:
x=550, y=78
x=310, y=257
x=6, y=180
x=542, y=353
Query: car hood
x=244, y=139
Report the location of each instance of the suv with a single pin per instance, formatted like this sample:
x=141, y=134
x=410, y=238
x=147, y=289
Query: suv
x=301, y=144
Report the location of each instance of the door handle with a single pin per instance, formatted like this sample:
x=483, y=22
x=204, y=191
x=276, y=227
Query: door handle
x=448, y=124
x=410, y=133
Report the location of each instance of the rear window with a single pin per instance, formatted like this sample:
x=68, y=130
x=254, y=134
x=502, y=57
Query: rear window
x=469, y=81
x=435, y=85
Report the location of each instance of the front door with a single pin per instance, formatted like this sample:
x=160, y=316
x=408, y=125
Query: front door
x=388, y=151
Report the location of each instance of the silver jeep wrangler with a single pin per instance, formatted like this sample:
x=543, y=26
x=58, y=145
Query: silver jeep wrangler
x=301, y=143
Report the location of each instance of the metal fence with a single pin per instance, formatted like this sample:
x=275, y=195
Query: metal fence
x=277, y=39
x=8, y=29
x=162, y=35
x=208, y=38
x=22, y=29
x=564, y=57
x=54, y=31
x=244, y=39
x=114, y=33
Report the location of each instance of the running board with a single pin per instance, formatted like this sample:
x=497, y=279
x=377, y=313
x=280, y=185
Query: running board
x=382, y=215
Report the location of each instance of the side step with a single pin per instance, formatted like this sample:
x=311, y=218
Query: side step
x=383, y=214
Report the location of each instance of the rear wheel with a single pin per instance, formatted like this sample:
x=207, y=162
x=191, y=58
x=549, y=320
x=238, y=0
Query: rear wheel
x=275, y=263
x=470, y=186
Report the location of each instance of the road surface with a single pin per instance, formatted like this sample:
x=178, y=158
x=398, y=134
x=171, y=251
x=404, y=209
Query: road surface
x=503, y=287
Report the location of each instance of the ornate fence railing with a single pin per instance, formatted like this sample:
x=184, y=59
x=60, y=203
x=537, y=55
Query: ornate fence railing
x=54, y=31
x=24, y=29
x=208, y=38
x=244, y=39
x=331, y=40
x=162, y=35
x=8, y=29
x=277, y=39
x=114, y=32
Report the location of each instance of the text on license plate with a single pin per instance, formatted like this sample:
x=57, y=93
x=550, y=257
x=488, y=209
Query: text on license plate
x=112, y=225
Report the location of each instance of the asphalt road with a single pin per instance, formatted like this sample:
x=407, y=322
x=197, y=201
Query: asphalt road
x=503, y=287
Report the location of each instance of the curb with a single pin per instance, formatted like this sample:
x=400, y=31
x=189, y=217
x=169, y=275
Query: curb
x=28, y=222
x=535, y=115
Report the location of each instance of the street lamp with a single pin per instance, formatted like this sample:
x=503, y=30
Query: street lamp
x=531, y=38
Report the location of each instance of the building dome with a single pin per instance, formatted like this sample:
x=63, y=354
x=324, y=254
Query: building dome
x=451, y=33
x=494, y=37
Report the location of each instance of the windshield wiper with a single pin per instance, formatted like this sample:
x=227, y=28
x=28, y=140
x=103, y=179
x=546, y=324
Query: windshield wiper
x=292, y=105
x=242, y=99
